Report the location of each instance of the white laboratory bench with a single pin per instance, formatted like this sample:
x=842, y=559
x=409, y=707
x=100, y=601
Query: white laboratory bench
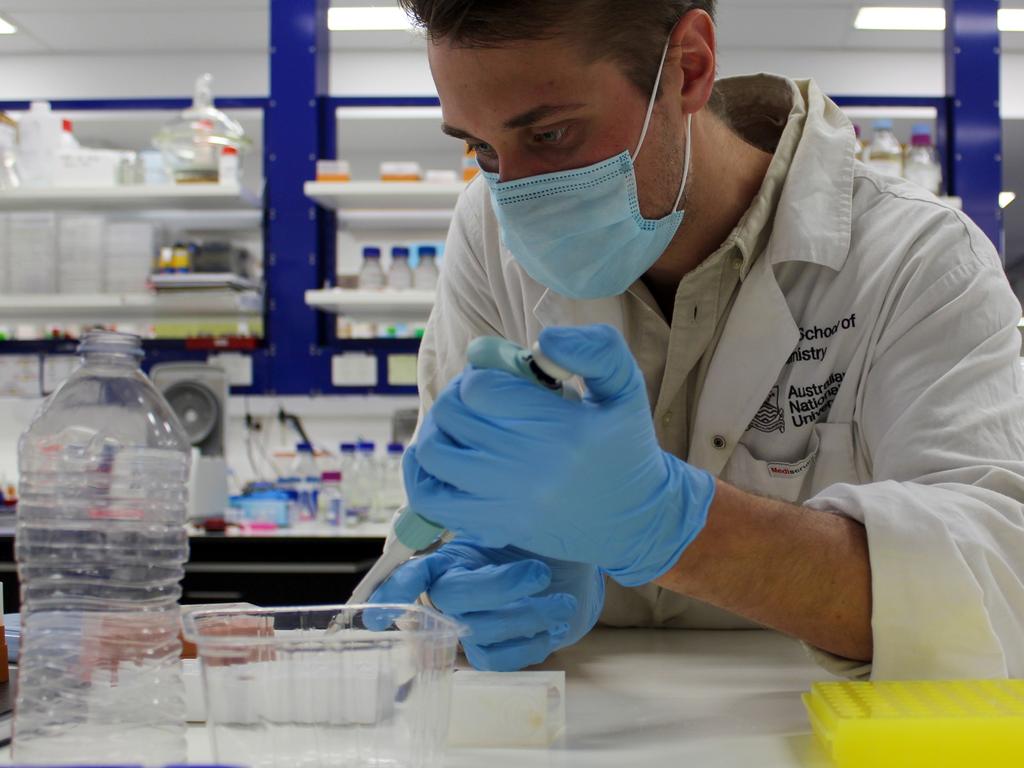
x=638, y=698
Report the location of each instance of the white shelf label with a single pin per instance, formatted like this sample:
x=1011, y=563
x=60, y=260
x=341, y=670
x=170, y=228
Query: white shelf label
x=354, y=370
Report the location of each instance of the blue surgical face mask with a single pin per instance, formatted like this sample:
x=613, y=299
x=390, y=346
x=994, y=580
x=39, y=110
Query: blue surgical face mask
x=580, y=233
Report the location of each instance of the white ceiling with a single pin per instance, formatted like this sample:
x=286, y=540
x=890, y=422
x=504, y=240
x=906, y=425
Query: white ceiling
x=176, y=26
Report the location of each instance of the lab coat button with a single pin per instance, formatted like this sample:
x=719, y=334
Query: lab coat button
x=667, y=418
x=719, y=443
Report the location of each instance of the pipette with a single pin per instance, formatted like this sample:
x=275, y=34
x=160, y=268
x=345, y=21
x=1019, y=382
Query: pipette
x=414, y=535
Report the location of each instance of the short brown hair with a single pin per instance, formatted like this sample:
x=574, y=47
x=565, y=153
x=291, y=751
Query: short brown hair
x=633, y=37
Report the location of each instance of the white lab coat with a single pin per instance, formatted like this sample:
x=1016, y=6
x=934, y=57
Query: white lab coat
x=869, y=367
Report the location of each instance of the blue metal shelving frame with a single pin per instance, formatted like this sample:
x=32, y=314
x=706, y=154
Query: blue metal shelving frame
x=300, y=126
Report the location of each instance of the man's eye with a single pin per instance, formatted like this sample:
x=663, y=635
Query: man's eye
x=482, y=149
x=550, y=137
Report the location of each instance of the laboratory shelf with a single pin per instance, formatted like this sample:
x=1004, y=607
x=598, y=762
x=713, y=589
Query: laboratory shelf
x=203, y=197
x=384, y=195
x=428, y=220
x=374, y=306
x=102, y=308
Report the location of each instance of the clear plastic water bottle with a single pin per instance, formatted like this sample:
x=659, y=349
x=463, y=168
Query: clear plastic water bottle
x=101, y=547
x=391, y=489
x=425, y=277
x=371, y=276
x=885, y=153
x=922, y=166
x=399, y=274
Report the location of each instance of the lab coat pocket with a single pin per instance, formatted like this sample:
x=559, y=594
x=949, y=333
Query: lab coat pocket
x=783, y=480
x=829, y=459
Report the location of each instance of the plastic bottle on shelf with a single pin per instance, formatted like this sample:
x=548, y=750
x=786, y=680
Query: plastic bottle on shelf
x=228, y=168
x=390, y=496
x=101, y=547
x=371, y=276
x=304, y=468
x=40, y=136
x=330, y=503
x=347, y=464
x=363, y=484
x=425, y=276
x=885, y=153
x=922, y=166
x=399, y=274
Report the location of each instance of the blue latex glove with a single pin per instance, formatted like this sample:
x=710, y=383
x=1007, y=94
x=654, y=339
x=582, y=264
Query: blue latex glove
x=503, y=462
x=518, y=609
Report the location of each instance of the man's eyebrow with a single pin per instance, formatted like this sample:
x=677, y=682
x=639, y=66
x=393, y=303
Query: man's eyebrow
x=526, y=119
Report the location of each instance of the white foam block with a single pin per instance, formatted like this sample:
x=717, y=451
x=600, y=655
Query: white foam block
x=507, y=710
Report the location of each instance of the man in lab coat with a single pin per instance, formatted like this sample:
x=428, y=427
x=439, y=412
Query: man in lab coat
x=823, y=428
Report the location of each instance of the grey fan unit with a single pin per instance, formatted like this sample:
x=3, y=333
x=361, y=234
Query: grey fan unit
x=198, y=393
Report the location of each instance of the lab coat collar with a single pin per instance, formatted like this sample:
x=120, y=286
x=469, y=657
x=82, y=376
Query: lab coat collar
x=814, y=220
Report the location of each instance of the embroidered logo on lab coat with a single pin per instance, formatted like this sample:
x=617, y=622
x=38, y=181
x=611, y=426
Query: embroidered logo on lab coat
x=770, y=418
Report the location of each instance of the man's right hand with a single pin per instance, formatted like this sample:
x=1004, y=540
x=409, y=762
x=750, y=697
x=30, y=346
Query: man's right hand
x=518, y=608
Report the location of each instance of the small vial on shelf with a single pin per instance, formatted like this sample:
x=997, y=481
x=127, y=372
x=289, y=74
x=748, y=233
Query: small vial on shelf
x=330, y=503
x=400, y=275
x=371, y=276
x=424, y=277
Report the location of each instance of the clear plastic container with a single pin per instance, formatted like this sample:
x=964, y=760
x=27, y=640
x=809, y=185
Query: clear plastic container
x=885, y=153
x=313, y=688
x=192, y=144
x=101, y=547
x=399, y=273
x=922, y=165
x=39, y=141
x=425, y=276
x=371, y=276
x=390, y=496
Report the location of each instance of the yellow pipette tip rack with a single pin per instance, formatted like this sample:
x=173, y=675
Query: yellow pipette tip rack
x=941, y=724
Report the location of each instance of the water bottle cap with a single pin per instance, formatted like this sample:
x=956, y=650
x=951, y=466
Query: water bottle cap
x=396, y=448
x=288, y=479
x=366, y=445
x=304, y=448
x=428, y=250
x=399, y=253
x=331, y=477
x=111, y=343
x=371, y=253
x=348, y=447
x=884, y=124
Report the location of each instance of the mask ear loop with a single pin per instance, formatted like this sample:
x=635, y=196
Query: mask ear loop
x=686, y=163
x=654, y=98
